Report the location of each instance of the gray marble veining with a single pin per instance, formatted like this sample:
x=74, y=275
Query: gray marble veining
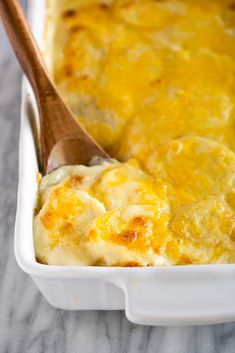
x=27, y=322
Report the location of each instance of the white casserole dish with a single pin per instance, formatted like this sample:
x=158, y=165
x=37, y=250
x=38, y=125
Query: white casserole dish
x=185, y=295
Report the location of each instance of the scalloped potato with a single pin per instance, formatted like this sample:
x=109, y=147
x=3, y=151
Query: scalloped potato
x=153, y=82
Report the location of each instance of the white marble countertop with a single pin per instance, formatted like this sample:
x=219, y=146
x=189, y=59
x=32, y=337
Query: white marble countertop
x=27, y=322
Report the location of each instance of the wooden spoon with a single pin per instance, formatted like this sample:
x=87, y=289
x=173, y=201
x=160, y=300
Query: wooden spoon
x=63, y=140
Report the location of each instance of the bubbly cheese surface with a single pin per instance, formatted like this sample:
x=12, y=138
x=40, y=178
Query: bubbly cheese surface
x=154, y=83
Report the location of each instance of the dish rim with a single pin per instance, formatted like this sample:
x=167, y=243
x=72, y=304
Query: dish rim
x=33, y=267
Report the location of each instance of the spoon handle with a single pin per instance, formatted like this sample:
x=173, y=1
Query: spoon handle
x=56, y=120
x=24, y=44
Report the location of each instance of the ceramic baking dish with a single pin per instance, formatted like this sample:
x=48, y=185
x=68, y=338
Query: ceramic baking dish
x=184, y=295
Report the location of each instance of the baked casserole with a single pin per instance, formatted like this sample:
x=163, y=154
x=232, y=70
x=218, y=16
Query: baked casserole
x=154, y=83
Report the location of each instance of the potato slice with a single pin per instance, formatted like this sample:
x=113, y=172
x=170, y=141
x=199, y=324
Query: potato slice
x=193, y=168
x=205, y=231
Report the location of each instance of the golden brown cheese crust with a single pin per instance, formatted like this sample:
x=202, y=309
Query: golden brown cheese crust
x=165, y=68
x=138, y=219
x=153, y=81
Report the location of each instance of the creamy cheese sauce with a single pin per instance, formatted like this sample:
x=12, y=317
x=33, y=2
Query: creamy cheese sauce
x=153, y=82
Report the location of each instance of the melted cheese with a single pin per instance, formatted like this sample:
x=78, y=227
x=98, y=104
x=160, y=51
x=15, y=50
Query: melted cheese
x=153, y=82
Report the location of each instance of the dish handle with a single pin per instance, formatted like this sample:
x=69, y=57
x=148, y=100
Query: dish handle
x=180, y=296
